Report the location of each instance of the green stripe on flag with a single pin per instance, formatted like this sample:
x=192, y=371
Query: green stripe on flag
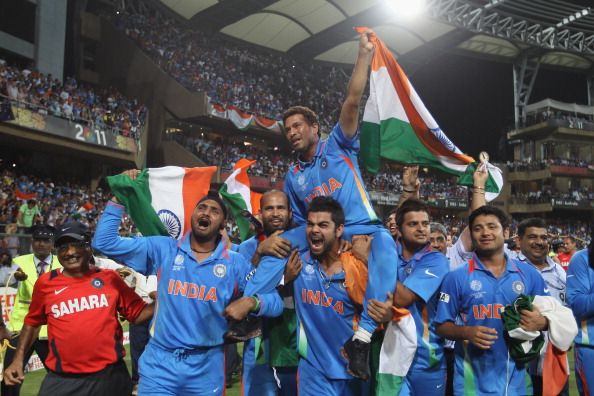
x=237, y=206
x=396, y=140
x=469, y=380
x=135, y=195
x=388, y=385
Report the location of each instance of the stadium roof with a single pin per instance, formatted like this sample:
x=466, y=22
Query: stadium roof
x=560, y=31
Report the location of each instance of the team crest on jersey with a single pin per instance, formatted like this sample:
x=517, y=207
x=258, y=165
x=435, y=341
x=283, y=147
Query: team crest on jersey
x=476, y=285
x=97, y=283
x=178, y=263
x=309, y=269
x=324, y=164
x=301, y=180
x=518, y=287
x=219, y=270
x=408, y=270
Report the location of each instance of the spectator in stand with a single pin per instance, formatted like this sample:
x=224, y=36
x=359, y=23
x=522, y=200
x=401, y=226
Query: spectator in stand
x=105, y=108
x=7, y=268
x=28, y=215
x=569, y=249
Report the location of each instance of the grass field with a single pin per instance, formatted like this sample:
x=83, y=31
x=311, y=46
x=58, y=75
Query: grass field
x=33, y=381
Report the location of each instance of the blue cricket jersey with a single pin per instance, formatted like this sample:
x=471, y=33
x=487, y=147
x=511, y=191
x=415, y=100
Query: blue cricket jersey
x=334, y=171
x=326, y=318
x=192, y=294
x=580, y=296
x=423, y=274
x=474, y=293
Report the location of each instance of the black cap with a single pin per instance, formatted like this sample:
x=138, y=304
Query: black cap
x=43, y=231
x=214, y=196
x=72, y=229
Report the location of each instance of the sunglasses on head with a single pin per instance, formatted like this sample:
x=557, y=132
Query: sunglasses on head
x=77, y=245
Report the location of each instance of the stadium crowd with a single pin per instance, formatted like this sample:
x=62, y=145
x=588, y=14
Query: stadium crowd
x=547, y=194
x=104, y=108
x=255, y=81
x=522, y=166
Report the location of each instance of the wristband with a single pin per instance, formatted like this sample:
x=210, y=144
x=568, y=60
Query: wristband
x=478, y=188
x=409, y=191
x=257, y=306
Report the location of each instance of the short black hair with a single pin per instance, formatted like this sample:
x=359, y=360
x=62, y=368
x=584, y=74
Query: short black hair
x=410, y=205
x=308, y=114
x=328, y=205
x=530, y=222
x=487, y=210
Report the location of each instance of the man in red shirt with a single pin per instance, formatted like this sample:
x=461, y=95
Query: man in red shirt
x=80, y=304
x=569, y=249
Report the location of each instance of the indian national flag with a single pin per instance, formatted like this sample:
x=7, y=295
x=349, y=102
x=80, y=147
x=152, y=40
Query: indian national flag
x=242, y=202
x=161, y=200
x=397, y=125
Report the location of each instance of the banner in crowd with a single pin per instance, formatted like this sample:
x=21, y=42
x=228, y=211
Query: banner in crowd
x=397, y=125
x=241, y=119
x=161, y=200
x=72, y=130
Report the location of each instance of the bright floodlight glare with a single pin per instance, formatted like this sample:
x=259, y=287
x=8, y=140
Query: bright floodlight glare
x=406, y=8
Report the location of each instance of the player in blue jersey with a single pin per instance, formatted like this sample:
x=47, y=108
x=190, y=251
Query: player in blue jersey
x=260, y=374
x=580, y=297
x=476, y=292
x=197, y=277
x=329, y=167
x=420, y=273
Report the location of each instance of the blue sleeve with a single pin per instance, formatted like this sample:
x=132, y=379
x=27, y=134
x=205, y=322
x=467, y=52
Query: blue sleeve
x=448, y=307
x=337, y=137
x=244, y=269
x=234, y=247
x=267, y=277
x=247, y=248
x=580, y=286
x=427, y=276
x=271, y=305
x=136, y=253
x=297, y=206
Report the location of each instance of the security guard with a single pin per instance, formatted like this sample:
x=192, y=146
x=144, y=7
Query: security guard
x=31, y=266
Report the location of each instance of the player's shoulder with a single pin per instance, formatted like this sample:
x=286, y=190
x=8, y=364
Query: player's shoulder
x=526, y=268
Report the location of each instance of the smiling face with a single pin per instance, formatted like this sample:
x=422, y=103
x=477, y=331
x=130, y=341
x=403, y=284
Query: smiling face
x=391, y=225
x=74, y=255
x=301, y=136
x=487, y=235
x=535, y=245
x=275, y=212
x=207, y=220
x=323, y=235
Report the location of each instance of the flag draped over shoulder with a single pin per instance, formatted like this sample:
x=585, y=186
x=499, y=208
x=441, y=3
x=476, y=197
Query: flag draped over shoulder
x=242, y=202
x=397, y=125
x=161, y=200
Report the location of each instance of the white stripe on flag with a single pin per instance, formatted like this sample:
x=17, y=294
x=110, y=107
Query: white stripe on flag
x=166, y=186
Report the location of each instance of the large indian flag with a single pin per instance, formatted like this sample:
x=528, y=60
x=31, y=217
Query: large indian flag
x=161, y=200
x=397, y=125
x=241, y=200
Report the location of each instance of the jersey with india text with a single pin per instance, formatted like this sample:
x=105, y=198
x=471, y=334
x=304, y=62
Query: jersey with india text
x=84, y=332
x=334, y=172
x=475, y=294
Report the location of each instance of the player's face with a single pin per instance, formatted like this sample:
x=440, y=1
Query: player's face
x=74, y=255
x=568, y=245
x=391, y=225
x=208, y=220
x=300, y=134
x=438, y=242
x=275, y=212
x=449, y=241
x=535, y=244
x=42, y=247
x=487, y=235
x=322, y=233
x=415, y=230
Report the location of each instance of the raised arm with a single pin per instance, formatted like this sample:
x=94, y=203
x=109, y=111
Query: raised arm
x=478, y=200
x=349, y=114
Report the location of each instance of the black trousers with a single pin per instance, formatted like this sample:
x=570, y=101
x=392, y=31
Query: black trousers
x=114, y=380
x=39, y=346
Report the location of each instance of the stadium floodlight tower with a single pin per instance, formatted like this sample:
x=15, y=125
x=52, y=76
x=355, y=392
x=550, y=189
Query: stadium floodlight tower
x=538, y=26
